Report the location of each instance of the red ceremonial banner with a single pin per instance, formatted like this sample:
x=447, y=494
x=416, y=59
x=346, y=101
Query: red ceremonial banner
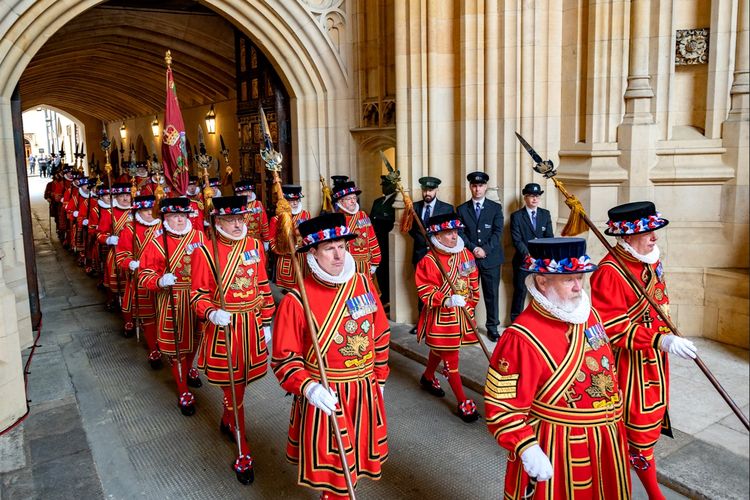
x=173, y=144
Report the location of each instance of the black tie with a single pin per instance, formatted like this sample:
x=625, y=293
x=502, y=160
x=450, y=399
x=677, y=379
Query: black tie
x=533, y=219
x=426, y=214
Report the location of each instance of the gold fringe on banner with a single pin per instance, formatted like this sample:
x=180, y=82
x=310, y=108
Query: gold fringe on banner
x=327, y=196
x=284, y=223
x=408, y=216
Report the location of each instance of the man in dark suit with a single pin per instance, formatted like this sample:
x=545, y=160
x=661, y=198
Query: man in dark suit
x=483, y=236
x=425, y=209
x=526, y=223
x=383, y=217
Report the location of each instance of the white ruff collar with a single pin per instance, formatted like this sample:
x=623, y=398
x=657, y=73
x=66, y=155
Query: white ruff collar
x=83, y=193
x=143, y=221
x=356, y=208
x=298, y=210
x=251, y=197
x=578, y=316
x=457, y=249
x=229, y=236
x=188, y=228
x=117, y=205
x=346, y=274
x=650, y=258
x=102, y=204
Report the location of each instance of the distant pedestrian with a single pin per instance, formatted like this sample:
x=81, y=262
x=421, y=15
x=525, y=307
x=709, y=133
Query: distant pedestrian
x=43, y=167
x=32, y=164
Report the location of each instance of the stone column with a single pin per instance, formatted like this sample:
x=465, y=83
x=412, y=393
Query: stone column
x=636, y=133
x=11, y=373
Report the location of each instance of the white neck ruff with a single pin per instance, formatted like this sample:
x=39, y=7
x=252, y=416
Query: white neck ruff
x=117, y=205
x=346, y=273
x=298, y=210
x=251, y=197
x=578, y=316
x=102, y=204
x=229, y=236
x=650, y=258
x=83, y=193
x=171, y=230
x=141, y=220
x=457, y=249
x=356, y=208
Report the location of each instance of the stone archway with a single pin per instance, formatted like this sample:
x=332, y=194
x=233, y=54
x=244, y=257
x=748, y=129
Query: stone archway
x=306, y=58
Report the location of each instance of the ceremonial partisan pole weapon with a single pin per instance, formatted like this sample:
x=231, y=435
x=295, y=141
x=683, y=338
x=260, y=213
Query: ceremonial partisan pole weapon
x=136, y=251
x=575, y=226
x=159, y=195
x=106, y=145
x=411, y=214
x=286, y=244
x=207, y=197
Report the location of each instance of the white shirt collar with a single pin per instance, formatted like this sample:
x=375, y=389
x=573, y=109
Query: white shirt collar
x=480, y=201
x=529, y=210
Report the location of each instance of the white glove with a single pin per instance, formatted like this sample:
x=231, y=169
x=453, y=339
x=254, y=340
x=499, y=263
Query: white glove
x=166, y=280
x=219, y=317
x=112, y=240
x=536, y=463
x=134, y=264
x=267, y=334
x=455, y=301
x=678, y=346
x=382, y=390
x=75, y=213
x=373, y=269
x=266, y=245
x=320, y=398
x=85, y=222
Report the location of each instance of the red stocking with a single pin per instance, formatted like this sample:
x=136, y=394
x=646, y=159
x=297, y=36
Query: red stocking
x=149, y=335
x=228, y=417
x=433, y=360
x=646, y=471
x=450, y=358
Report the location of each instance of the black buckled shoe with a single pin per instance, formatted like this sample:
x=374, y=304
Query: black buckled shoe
x=243, y=468
x=193, y=380
x=186, y=404
x=432, y=386
x=129, y=330
x=154, y=359
x=467, y=411
x=413, y=331
x=493, y=336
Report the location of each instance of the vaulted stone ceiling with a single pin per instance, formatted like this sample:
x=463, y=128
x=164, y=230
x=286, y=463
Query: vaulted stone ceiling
x=109, y=62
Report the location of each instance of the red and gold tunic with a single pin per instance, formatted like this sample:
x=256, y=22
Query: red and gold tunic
x=364, y=248
x=134, y=239
x=96, y=250
x=84, y=202
x=256, y=221
x=62, y=217
x=553, y=384
x=285, y=277
x=446, y=328
x=113, y=278
x=182, y=252
x=242, y=265
x=70, y=204
x=53, y=193
x=635, y=330
x=353, y=337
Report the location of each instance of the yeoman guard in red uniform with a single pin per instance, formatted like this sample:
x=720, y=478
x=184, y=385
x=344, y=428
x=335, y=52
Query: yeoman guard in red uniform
x=551, y=393
x=285, y=277
x=639, y=335
x=353, y=337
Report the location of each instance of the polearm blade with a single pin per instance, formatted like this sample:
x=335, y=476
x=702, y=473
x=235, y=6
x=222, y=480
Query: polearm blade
x=578, y=211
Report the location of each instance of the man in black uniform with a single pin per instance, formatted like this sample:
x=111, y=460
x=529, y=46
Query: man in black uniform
x=483, y=236
x=526, y=223
x=383, y=217
x=425, y=209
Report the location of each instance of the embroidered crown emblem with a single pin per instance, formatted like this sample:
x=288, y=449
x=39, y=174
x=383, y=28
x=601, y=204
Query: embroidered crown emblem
x=171, y=135
x=503, y=366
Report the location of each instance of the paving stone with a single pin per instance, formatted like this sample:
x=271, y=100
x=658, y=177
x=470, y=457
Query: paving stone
x=17, y=484
x=12, y=453
x=705, y=471
x=54, y=446
x=50, y=420
x=70, y=477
